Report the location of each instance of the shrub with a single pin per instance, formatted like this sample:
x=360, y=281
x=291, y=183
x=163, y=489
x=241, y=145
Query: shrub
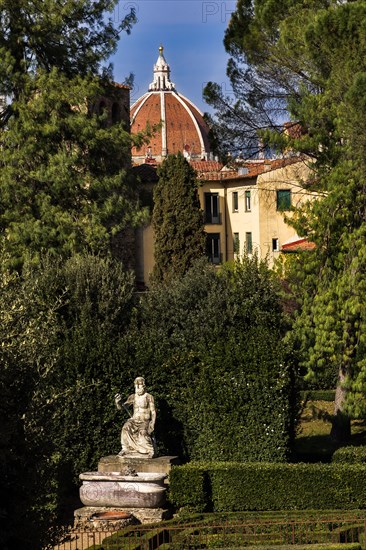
x=350, y=455
x=210, y=347
x=318, y=395
x=62, y=361
x=261, y=530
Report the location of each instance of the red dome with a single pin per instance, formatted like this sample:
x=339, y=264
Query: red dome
x=183, y=127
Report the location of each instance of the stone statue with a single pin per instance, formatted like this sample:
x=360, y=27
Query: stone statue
x=136, y=436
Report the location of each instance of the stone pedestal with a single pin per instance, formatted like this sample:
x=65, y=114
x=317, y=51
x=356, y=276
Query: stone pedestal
x=142, y=490
x=115, y=463
x=89, y=518
x=130, y=487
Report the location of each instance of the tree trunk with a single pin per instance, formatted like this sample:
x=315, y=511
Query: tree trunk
x=341, y=424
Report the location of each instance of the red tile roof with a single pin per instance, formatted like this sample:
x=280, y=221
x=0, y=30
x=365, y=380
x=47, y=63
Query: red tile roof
x=298, y=246
x=124, y=86
x=294, y=129
x=246, y=169
x=206, y=165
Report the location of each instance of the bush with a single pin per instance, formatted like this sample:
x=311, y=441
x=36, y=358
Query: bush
x=324, y=546
x=265, y=486
x=318, y=395
x=350, y=455
x=62, y=361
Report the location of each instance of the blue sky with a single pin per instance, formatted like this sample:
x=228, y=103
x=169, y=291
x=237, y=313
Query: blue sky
x=191, y=32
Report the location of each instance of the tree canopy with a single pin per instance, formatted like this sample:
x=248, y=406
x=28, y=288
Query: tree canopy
x=65, y=190
x=62, y=360
x=72, y=36
x=64, y=170
x=307, y=62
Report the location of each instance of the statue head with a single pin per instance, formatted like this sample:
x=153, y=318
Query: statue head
x=139, y=383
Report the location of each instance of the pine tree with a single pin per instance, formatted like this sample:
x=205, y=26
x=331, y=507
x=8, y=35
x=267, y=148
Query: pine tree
x=74, y=36
x=64, y=182
x=177, y=219
x=309, y=60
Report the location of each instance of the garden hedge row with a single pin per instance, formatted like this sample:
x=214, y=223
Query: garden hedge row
x=229, y=486
x=249, y=530
x=317, y=395
x=350, y=455
x=330, y=546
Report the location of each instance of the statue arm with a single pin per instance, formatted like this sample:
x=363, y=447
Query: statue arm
x=117, y=401
x=130, y=400
x=152, y=414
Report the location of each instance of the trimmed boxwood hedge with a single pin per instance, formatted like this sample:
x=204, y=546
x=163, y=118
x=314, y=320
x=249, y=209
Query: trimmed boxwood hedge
x=219, y=529
x=317, y=395
x=350, y=455
x=229, y=486
x=330, y=546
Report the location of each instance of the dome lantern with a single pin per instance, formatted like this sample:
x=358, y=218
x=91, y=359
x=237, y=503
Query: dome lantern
x=161, y=74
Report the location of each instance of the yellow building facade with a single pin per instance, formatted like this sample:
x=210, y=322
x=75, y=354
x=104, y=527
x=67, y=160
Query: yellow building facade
x=244, y=210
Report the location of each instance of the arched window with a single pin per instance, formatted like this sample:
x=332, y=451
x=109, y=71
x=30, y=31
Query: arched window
x=116, y=113
x=102, y=107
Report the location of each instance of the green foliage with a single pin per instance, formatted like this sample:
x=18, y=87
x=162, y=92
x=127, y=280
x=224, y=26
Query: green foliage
x=64, y=180
x=74, y=37
x=64, y=189
x=28, y=328
x=350, y=455
x=264, y=486
x=92, y=366
x=308, y=60
x=318, y=395
x=311, y=530
x=177, y=219
x=63, y=359
x=221, y=394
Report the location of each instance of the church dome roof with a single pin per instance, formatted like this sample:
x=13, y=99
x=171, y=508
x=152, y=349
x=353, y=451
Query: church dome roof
x=183, y=127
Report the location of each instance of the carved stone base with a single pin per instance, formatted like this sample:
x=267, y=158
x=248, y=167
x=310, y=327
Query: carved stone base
x=88, y=518
x=116, y=463
x=141, y=490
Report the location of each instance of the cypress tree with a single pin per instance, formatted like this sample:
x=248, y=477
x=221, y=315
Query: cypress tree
x=177, y=219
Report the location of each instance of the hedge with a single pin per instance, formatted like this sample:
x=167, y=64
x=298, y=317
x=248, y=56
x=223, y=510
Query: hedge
x=317, y=395
x=249, y=530
x=325, y=546
x=350, y=455
x=232, y=486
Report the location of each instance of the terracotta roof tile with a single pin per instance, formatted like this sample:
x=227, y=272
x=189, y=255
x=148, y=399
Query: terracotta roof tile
x=247, y=169
x=294, y=129
x=298, y=246
x=124, y=86
x=206, y=165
